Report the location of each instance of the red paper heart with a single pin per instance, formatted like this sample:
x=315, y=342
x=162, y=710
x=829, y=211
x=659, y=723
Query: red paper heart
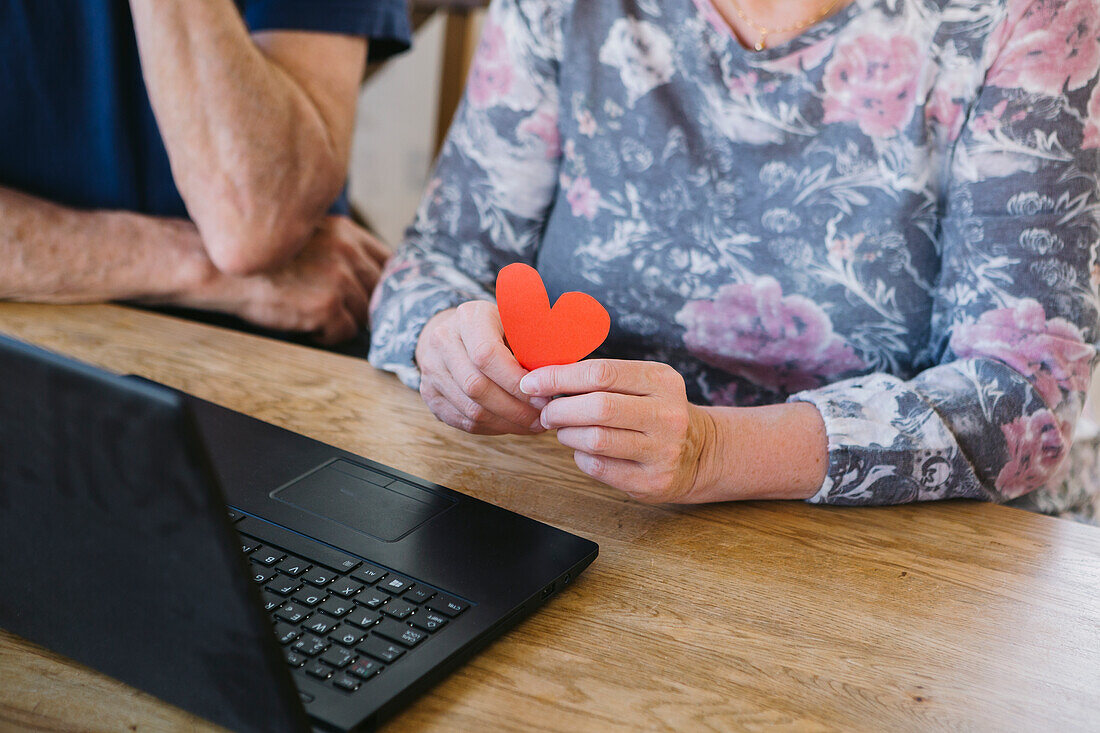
x=540, y=335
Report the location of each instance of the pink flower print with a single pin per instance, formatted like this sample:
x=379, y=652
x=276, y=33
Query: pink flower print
x=783, y=343
x=544, y=126
x=991, y=120
x=872, y=80
x=1092, y=124
x=1036, y=447
x=491, y=75
x=743, y=86
x=1047, y=46
x=1051, y=353
x=946, y=112
x=583, y=199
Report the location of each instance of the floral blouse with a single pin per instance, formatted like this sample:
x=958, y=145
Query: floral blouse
x=893, y=217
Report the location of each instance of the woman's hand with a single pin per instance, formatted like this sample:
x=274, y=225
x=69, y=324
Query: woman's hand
x=469, y=378
x=630, y=425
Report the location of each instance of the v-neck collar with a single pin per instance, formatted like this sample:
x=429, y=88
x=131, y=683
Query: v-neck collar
x=815, y=33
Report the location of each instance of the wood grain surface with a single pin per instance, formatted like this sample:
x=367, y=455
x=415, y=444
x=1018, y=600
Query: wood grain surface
x=955, y=615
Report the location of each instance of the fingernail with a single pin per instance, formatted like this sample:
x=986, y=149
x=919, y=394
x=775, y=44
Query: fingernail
x=539, y=402
x=543, y=420
x=537, y=425
x=529, y=384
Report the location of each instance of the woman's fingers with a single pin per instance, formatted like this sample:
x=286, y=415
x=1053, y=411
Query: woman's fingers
x=447, y=413
x=447, y=369
x=598, y=375
x=646, y=483
x=483, y=401
x=599, y=408
x=483, y=335
x=608, y=442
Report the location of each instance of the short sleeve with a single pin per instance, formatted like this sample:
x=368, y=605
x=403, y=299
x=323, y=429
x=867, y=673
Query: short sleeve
x=385, y=23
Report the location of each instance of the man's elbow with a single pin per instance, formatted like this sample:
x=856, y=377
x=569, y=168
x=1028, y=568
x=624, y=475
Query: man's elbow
x=242, y=248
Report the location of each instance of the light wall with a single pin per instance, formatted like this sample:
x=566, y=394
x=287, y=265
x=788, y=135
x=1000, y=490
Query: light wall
x=394, y=134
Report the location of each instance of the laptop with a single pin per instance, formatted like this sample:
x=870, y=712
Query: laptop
x=251, y=575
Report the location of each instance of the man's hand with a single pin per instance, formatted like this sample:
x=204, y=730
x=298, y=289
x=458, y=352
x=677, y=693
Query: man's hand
x=325, y=290
x=469, y=378
x=630, y=425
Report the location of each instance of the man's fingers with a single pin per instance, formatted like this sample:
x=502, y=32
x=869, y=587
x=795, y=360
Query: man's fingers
x=341, y=327
x=597, y=375
x=608, y=442
x=374, y=248
x=368, y=271
x=357, y=302
x=599, y=408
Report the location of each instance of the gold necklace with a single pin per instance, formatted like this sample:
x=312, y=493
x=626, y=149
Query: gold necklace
x=763, y=30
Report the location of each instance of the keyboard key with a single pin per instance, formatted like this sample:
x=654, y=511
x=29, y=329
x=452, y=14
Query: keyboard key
x=319, y=623
x=286, y=633
x=369, y=574
x=380, y=649
x=271, y=601
x=447, y=605
x=292, y=613
x=419, y=594
x=296, y=544
x=347, y=635
x=372, y=598
x=266, y=556
x=345, y=683
x=362, y=617
x=428, y=620
x=395, y=584
x=364, y=668
x=294, y=659
x=283, y=586
x=319, y=577
x=249, y=545
x=310, y=645
x=234, y=515
x=318, y=670
x=262, y=575
x=335, y=606
x=309, y=596
x=338, y=657
x=398, y=609
x=346, y=587
x=293, y=566
x=399, y=632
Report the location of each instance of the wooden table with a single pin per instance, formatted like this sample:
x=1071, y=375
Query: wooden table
x=766, y=615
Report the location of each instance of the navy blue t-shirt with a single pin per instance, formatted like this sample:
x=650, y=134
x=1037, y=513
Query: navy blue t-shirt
x=76, y=126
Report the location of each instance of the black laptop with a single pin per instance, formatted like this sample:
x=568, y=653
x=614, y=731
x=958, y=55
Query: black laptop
x=261, y=579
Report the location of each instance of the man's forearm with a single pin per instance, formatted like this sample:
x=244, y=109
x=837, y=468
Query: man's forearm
x=54, y=254
x=257, y=154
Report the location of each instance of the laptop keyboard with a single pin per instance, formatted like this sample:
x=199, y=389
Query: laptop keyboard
x=340, y=619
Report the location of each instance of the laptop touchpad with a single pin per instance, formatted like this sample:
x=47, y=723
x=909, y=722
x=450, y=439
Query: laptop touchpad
x=363, y=499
